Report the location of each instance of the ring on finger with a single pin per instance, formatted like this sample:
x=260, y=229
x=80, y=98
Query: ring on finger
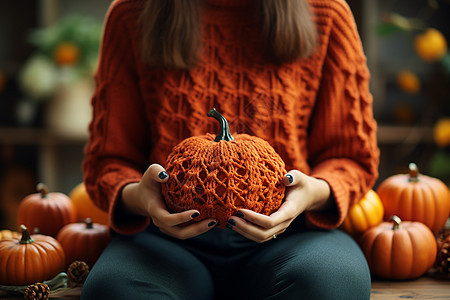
x=274, y=236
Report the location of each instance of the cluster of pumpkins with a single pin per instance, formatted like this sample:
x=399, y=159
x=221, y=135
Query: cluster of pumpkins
x=56, y=230
x=418, y=207
x=396, y=226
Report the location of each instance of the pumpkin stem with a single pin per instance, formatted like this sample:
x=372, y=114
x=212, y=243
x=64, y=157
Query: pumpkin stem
x=413, y=172
x=43, y=189
x=26, y=237
x=224, y=131
x=397, y=221
x=88, y=222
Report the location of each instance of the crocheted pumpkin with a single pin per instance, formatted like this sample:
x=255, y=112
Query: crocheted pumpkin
x=220, y=175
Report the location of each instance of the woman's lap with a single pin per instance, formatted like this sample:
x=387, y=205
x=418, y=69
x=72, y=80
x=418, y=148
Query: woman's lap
x=306, y=265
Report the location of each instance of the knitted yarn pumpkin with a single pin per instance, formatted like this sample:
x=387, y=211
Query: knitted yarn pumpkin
x=219, y=175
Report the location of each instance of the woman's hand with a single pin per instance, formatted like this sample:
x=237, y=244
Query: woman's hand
x=303, y=193
x=144, y=198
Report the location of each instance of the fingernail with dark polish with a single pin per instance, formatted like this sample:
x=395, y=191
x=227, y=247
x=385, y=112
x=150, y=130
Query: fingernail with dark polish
x=231, y=222
x=211, y=224
x=290, y=177
x=163, y=175
x=195, y=215
x=240, y=214
x=229, y=226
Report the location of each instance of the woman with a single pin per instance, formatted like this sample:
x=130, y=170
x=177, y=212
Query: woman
x=292, y=72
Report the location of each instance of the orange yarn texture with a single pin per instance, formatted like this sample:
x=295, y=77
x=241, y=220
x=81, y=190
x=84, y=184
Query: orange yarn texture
x=220, y=177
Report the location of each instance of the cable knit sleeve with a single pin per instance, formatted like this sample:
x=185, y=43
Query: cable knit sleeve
x=117, y=150
x=342, y=140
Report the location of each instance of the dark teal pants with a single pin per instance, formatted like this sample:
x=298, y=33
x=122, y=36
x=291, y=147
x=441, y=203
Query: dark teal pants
x=221, y=264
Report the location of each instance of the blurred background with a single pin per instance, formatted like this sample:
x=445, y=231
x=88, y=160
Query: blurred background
x=49, y=52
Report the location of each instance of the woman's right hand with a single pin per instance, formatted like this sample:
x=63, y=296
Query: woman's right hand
x=145, y=198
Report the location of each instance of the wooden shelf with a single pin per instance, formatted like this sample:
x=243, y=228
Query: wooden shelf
x=59, y=156
x=404, y=134
x=386, y=134
x=37, y=136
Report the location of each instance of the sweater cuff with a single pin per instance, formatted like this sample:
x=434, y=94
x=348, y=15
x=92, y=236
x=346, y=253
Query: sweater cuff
x=331, y=218
x=121, y=221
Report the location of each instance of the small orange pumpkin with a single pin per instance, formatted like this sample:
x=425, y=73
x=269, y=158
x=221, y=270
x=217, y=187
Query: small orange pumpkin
x=30, y=258
x=368, y=212
x=399, y=250
x=85, y=207
x=48, y=212
x=8, y=234
x=219, y=175
x=416, y=197
x=83, y=241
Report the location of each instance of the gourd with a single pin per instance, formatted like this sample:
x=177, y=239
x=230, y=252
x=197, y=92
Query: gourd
x=8, y=234
x=48, y=212
x=364, y=214
x=219, y=175
x=85, y=207
x=399, y=250
x=416, y=197
x=83, y=241
x=30, y=259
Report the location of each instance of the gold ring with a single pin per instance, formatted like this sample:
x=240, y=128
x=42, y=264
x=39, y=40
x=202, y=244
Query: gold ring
x=274, y=236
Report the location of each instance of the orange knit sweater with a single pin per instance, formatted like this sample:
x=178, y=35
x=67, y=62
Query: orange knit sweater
x=316, y=113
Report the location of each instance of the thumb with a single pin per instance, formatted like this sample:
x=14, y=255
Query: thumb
x=156, y=172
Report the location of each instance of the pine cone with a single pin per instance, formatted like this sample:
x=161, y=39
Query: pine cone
x=443, y=256
x=37, y=291
x=77, y=273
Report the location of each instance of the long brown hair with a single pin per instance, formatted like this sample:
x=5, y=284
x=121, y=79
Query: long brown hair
x=171, y=31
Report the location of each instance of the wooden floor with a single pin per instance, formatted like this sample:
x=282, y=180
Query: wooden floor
x=422, y=288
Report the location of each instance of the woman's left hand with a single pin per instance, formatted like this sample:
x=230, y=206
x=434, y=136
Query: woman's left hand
x=303, y=193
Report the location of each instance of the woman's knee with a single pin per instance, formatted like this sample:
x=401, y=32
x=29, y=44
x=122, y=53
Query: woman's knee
x=114, y=284
x=103, y=285
x=316, y=265
x=147, y=268
x=331, y=268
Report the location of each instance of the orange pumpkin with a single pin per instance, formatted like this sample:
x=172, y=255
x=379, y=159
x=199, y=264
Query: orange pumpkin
x=83, y=241
x=219, y=175
x=8, y=234
x=48, y=212
x=368, y=212
x=30, y=258
x=85, y=207
x=416, y=197
x=399, y=250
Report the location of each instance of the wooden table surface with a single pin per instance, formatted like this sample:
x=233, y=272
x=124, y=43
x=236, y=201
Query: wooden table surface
x=423, y=288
